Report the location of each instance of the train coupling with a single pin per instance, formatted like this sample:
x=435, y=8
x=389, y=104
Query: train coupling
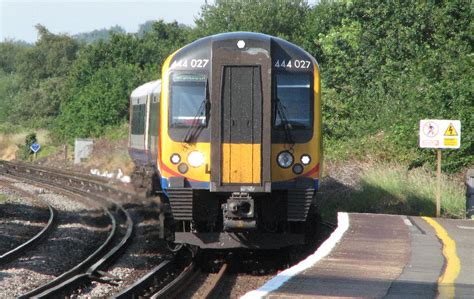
x=239, y=212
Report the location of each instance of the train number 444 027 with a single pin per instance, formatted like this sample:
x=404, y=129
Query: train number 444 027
x=296, y=63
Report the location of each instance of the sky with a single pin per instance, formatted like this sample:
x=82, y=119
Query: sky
x=19, y=17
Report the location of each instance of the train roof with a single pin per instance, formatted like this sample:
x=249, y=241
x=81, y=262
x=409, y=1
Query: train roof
x=279, y=48
x=146, y=89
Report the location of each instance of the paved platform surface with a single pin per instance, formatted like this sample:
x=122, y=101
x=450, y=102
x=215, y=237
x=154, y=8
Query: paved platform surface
x=391, y=256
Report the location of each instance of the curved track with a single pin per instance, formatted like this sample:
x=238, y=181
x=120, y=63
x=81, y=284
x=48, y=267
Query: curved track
x=35, y=240
x=90, y=268
x=87, y=268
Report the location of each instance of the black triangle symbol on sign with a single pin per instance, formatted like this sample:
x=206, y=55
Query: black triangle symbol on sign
x=450, y=131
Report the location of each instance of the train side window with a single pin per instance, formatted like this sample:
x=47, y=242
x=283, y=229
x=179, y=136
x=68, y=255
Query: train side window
x=188, y=107
x=293, y=102
x=138, y=119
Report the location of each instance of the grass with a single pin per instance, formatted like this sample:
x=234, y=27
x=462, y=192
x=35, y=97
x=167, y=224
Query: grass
x=117, y=133
x=3, y=197
x=391, y=189
x=110, y=151
x=6, y=128
x=48, y=150
x=10, y=142
x=378, y=147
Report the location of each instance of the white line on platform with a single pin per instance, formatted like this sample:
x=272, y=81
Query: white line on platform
x=323, y=251
x=465, y=227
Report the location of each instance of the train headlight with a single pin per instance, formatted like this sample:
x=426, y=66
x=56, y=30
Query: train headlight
x=175, y=158
x=285, y=159
x=305, y=159
x=195, y=159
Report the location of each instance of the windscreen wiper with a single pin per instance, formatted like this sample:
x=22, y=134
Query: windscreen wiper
x=195, y=121
x=281, y=110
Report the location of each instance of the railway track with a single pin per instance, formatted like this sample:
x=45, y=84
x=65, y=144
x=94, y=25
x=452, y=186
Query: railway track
x=216, y=286
x=171, y=278
x=121, y=228
x=33, y=241
x=89, y=268
x=166, y=280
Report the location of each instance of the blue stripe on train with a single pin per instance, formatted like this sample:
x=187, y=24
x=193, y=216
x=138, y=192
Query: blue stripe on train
x=275, y=185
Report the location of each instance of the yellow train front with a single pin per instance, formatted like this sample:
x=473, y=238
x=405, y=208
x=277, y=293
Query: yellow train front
x=240, y=141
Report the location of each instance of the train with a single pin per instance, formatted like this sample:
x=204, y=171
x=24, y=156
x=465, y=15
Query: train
x=230, y=137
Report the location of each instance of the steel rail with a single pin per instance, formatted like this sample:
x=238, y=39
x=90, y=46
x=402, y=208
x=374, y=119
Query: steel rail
x=79, y=267
x=54, y=170
x=177, y=285
x=156, y=274
x=82, y=182
x=328, y=224
x=79, y=185
x=35, y=240
x=92, y=272
x=159, y=275
x=213, y=291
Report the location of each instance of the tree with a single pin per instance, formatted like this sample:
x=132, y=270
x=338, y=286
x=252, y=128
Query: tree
x=278, y=18
x=105, y=73
x=101, y=103
x=387, y=65
x=40, y=71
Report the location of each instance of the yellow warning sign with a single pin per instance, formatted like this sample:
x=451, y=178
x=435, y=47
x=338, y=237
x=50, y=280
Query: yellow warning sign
x=450, y=131
x=450, y=142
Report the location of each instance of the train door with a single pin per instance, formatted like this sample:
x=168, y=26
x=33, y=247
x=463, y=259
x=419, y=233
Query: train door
x=154, y=123
x=241, y=116
x=138, y=116
x=241, y=125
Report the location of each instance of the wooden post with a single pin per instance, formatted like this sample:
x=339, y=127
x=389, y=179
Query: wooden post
x=438, y=182
x=65, y=152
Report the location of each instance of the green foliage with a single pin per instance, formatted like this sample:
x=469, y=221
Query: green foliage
x=384, y=66
x=8, y=128
x=117, y=133
x=9, y=86
x=31, y=94
x=52, y=56
x=24, y=150
x=391, y=189
x=278, y=18
x=101, y=103
x=48, y=150
x=104, y=74
x=97, y=35
x=10, y=52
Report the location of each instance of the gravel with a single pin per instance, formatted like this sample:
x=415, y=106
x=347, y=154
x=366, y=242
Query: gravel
x=22, y=216
x=143, y=254
x=81, y=227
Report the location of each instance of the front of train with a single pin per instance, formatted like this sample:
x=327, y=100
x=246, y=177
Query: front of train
x=240, y=142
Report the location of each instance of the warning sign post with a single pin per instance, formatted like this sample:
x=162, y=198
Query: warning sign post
x=439, y=134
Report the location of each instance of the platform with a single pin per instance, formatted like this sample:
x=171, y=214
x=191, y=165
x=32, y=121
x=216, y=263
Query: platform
x=384, y=256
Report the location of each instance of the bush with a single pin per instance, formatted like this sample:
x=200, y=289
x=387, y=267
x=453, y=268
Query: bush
x=24, y=151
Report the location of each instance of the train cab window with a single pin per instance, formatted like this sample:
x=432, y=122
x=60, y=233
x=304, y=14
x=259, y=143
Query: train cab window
x=293, y=107
x=189, y=100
